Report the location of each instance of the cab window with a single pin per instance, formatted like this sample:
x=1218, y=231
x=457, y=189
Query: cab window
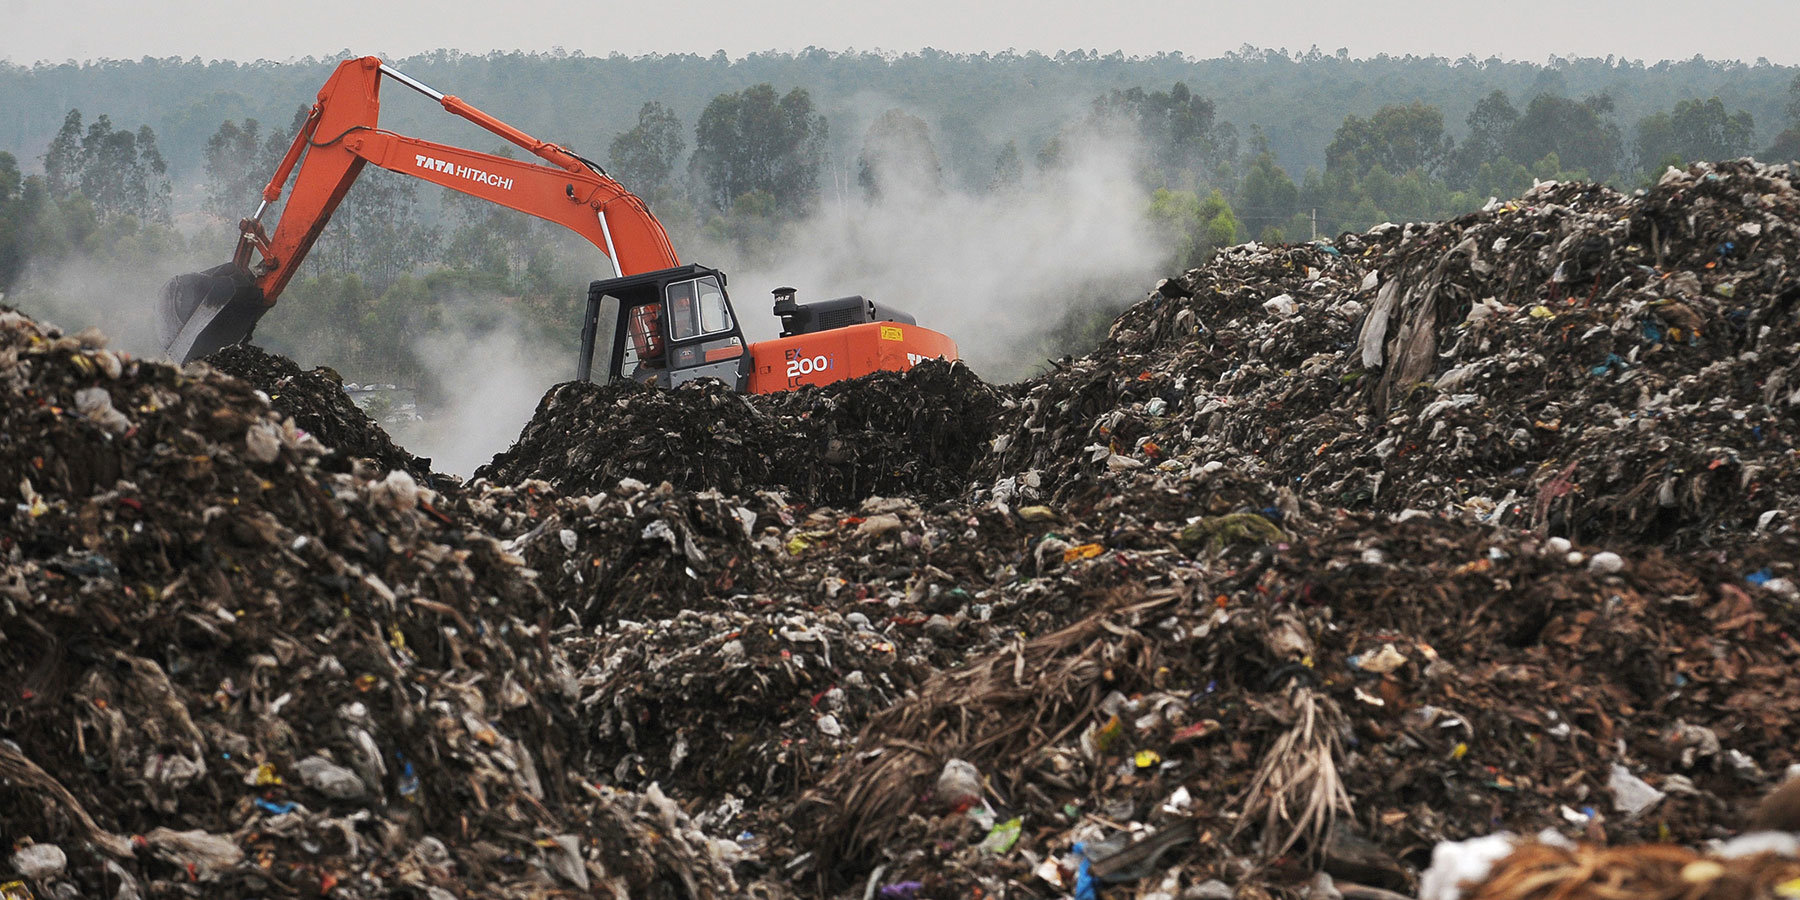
x=684, y=318
x=697, y=307
x=715, y=315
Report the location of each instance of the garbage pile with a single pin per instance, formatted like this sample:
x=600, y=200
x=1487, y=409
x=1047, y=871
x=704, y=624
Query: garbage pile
x=918, y=432
x=316, y=401
x=1581, y=363
x=1338, y=702
x=233, y=671
x=1329, y=556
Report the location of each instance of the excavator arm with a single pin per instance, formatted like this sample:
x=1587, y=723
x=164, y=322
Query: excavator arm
x=205, y=311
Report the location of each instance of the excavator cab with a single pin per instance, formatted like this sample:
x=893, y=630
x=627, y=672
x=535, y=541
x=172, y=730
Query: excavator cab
x=665, y=327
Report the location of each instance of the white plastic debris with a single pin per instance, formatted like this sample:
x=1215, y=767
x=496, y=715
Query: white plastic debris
x=1455, y=864
x=1605, y=562
x=96, y=405
x=1382, y=661
x=208, y=854
x=1281, y=305
x=1779, y=842
x=262, y=442
x=40, y=861
x=564, y=858
x=397, y=491
x=875, y=526
x=328, y=778
x=1631, y=794
x=959, y=783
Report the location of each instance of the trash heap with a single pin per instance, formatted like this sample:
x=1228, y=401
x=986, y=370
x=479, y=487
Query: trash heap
x=918, y=432
x=235, y=672
x=1596, y=366
x=1338, y=702
x=316, y=401
x=1329, y=554
x=790, y=625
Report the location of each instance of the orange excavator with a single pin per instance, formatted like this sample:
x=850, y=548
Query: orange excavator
x=657, y=320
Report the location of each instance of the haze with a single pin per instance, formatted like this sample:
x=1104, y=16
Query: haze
x=1534, y=30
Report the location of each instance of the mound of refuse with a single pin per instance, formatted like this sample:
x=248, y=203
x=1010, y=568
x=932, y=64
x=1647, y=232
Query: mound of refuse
x=1340, y=700
x=1579, y=362
x=236, y=672
x=1334, y=567
x=316, y=400
x=917, y=433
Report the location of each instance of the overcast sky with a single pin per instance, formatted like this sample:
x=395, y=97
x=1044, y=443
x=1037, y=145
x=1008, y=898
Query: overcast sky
x=1533, y=30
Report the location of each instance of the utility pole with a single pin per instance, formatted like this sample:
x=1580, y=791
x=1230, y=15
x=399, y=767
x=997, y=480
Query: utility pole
x=1315, y=223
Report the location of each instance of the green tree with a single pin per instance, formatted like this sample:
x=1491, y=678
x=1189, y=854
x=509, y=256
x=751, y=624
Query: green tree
x=120, y=171
x=1009, y=169
x=1793, y=104
x=751, y=141
x=1193, y=229
x=643, y=158
x=1268, y=196
x=752, y=226
x=1694, y=130
x=1580, y=133
x=1397, y=138
x=1491, y=124
x=897, y=150
x=240, y=160
x=377, y=232
x=63, y=159
x=231, y=173
x=1787, y=143
x=1786, y=146
x=1501, y=178
x=13, y=221
x=1180, y=129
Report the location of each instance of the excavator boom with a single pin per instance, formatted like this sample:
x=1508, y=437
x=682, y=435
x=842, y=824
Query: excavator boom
x=202, y=312
x=655, y=320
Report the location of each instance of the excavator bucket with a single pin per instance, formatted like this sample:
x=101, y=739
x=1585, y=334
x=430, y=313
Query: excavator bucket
x=201, y=312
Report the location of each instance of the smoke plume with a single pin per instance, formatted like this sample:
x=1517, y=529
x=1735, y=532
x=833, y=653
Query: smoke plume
x=994, y=271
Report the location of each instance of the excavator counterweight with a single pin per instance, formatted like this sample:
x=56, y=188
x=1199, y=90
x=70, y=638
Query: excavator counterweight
x=656, y=320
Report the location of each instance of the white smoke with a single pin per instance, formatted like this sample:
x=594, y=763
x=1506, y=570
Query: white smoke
x=488, y=384
x=994, y=271
x=117, y=297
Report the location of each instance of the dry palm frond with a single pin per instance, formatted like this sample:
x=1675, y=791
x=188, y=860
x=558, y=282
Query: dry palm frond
x=21, y=773
x=1003, y=707
x=1646, y=872
x=1297, y=791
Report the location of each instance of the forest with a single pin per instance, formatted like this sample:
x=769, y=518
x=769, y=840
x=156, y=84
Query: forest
x=926, y=174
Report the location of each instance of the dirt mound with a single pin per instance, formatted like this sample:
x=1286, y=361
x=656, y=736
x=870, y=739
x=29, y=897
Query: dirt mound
x=237, y=672
x=316, y=400
x=916, y=433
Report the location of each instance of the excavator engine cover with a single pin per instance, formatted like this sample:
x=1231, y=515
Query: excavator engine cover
x=835, y=354
x=824, y=315
x=202, y=312
x=831, y=340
